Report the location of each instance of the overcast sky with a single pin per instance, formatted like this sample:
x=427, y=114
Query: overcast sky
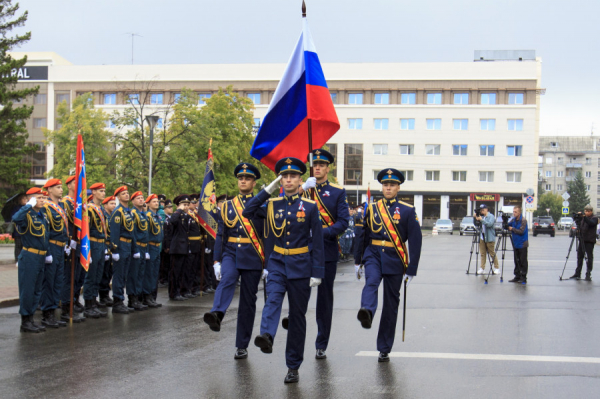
x=564, y=34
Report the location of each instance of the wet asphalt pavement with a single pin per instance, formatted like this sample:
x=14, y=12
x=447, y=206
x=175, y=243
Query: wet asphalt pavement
x=170, y=352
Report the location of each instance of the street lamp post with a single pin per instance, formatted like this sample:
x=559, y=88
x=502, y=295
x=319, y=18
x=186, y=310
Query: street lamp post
x=152, y=120
x=357, y=184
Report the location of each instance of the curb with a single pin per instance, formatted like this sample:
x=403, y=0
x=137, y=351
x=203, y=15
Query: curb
x=8, y=302
x=7, y=245
x=4, y=262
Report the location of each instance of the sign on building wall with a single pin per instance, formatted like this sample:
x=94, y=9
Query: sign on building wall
x=485, y=197
x=30, y=73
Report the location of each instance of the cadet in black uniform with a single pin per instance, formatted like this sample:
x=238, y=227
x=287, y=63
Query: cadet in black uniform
x=180, y=245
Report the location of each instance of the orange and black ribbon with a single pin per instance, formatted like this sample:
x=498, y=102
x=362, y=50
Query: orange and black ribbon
x=390, y=228
x=248, y=228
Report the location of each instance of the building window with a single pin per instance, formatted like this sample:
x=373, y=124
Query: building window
x=598, y=176
x=560, y=173
x=515, y=124
x=110, y=99
x=408, y=175
x=434, y=124
x=487, y=124
x=588, y=174
x=409, y=149
x=560, y=160
x=513, y=177
x=549, y=161
x=156, y=98
x=408, y=98
x=159, y=123
x=39, y=123
x=548, y=173
x=459, y=149
x=355, y=124
x=176, y=97
x=459, y=175
x=380, y=149
x=588, y=161
x=205, y=96
x=598, y=189
x=559, y=187
x=515, y=98
x=355, y=98
x=461, y=98
x=588, y=187
x=486, y=176
x=460, y=124
x=40, y=99
x=39, y=146
x=434, y=98
x=553, y=144
x=514, y=150
x=353, y=164
x=488, y=99
x=333, y=151
x=133, y=99
x=255, y=97
x=548, y=187
x=110, y=124
x=598, y=203
x=62, y=97
x=382, y=98
x=432, y=175
x=38, y=171
x=333, y=98
x=432, y=149
x=375, y=173
x=381, y=124
x=407, y=124
x=486, y=150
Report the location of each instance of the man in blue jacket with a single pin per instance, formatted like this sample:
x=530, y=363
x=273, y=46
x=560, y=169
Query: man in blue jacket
x=520, y=237
x=293, y=268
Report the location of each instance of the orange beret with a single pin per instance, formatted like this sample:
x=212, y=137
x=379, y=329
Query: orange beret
x=34, y=190
x=52, y=183
x=70, y=179
x=120, y=189
x=90, y=198
x=45, y=193
x=136, y=194
x=151, y=197
x=108, y=199
x=97, y=186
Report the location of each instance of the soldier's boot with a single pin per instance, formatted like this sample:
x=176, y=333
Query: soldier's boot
x=119, y=307
x=149, y=301
x=48, y=319
x=38, y=326
x=65, y=314
x=132, y=303
x=97, y=308
x=90, y=311
x=78, y=307
x=106, y=299
x=27, y=325
x=139, y=299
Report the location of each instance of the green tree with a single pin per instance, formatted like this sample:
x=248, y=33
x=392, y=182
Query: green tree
x=552, y=201
x=13, y=133
x=578, y=191
x=90, y=122
x=540, y=190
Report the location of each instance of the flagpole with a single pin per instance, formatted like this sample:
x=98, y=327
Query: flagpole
x=310, y=144
x=74, y=236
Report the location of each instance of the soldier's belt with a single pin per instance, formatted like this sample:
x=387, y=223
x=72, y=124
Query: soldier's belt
x=382, y=243
x=142, y=244
x=59, y=243
x=291, y=251
x=239, y=240
x=128, y=240
x=156, y=244
x=96, y=239
x=34, y=251
x=195, y=238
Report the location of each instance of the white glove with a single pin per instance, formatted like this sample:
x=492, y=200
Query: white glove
x=68, y=250
x=116, y=257
x=408, y=279
x=48, y=259
x=314, y=281
x=32, y=201
x=265, y=273
x=207, y=250
x=311, y=182
x=90, y=258
x=357, y=272
x=73, y=244
x=274, y=184
x=105, y=251
x=217, y=267
x=107, y=257
x=147, y=256
x=136, y=255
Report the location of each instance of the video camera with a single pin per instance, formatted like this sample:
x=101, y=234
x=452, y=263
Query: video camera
x=505, y=218
x=577, y=218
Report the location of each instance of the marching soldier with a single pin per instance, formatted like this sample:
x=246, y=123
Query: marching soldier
x=97, y=225
x=155, y=237
x=238, y=252
x=180, y=246
x=139, y=252
x=121, y=236
x=108, y=206
x=32, y=225
x=190, y=286
x=388, y=224
x=292, y=267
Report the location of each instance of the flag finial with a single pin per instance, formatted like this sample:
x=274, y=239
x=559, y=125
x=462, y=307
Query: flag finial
x=303, y=9
x=210, y=143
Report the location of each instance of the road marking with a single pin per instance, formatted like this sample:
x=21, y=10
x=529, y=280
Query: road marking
x=477, y=356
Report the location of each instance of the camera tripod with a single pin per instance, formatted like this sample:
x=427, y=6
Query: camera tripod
x=475, y=245
x=501, y=244
x=576, y=238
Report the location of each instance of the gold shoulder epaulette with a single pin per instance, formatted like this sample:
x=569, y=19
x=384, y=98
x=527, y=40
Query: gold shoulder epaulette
x=275, y=199
x=407, y=204
x=309, y=200
x=336, y=186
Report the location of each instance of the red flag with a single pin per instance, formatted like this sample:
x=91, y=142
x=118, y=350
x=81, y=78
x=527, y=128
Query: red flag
x=80, y=215
x=369, y=194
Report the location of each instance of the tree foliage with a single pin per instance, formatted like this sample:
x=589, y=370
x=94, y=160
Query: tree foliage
x=552, y=201
x=578, y=191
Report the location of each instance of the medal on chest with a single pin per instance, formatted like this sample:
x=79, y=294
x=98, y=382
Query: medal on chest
x=301, y=214
x=396, y=216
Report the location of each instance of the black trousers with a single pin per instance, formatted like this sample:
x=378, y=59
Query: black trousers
x=18, y=247
x=104, y=287
x=176, y=274
x=165, y=266
x=587, y=248
x=521, y=264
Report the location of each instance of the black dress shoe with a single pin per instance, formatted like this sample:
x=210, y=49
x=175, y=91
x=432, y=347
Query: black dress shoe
x=178, y=298
x=588, y=277
x=27, y=325
x=285, y=322
x=320, y=354
x=241, y=353
x=575, y=277
x=515, y=280
x=292, y=377
x=383, y=357
x=190, y=295
x=213, y=320
x=264, y=342
x=365, y=317
x=196, y=292
x=210, y=290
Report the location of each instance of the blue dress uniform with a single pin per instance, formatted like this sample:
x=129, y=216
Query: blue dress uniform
x=295, y=223
x=333, y=208
x=137, y=268
x=33, y=228
x=121, y=236
x=156, y=235
x=91, y=285
x=68, y=204
x=237, y=251
x=104, y=285
x=358, y=228
x=382, y=261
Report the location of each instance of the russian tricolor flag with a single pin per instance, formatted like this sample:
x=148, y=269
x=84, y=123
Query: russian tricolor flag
x=302, y=94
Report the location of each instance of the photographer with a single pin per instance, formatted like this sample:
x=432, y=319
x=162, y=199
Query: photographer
x=488, y=237
x=586, y=226
x=520, y=236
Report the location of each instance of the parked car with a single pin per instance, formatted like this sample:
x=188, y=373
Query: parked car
x=544, y=225
x=467, y=225
x=564, y=223
x=444, y=226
